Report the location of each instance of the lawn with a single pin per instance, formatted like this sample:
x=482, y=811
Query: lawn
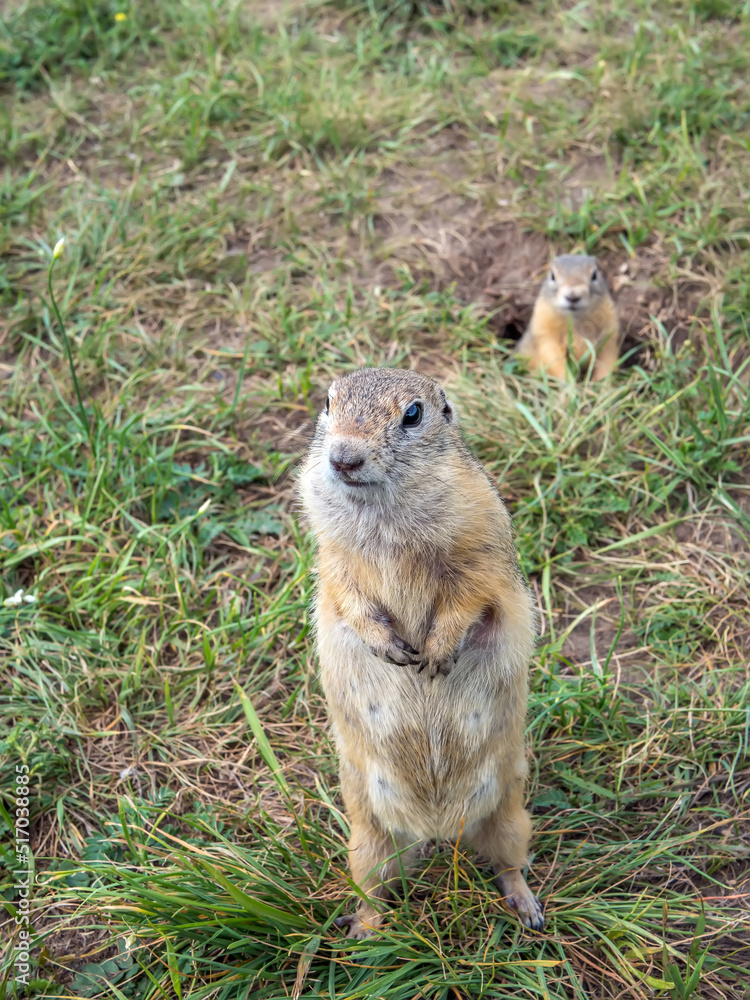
x=255, y=197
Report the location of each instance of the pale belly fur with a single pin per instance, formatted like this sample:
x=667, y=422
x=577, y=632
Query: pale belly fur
x=432, y=757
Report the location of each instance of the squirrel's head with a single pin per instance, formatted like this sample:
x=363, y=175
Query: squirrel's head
x=382, y=430
x=574, y=282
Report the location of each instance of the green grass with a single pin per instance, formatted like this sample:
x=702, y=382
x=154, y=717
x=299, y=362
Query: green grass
x=255, y=197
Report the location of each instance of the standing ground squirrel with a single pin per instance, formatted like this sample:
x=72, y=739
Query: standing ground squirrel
x=425, y=628
x=574, y=312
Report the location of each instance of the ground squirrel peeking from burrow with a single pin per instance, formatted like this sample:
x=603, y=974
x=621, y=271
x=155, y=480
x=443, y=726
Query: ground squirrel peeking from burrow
x=425, y=627
x=574, y=315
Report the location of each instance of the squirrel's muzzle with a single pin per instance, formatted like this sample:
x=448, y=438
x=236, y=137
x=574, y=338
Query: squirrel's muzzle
x=346, y=456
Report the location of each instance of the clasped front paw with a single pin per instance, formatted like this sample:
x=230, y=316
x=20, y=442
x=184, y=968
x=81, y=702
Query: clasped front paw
x=438, y=662
x=398, y=651
x=435, y=666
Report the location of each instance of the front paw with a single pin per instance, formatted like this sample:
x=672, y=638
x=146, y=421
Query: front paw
x=435, y=665
x=437, y=662
x=397, y=650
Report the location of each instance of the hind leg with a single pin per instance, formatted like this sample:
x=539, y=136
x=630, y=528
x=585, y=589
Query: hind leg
x=374, y=869
x=504, y=837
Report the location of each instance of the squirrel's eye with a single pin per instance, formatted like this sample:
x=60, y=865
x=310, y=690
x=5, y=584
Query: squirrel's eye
x=328, y=403
x=594, y=274
x=413, y=415
x=552, y=276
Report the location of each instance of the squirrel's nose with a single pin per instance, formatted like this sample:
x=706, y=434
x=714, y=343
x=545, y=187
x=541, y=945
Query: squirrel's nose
x=573, y=297
x=350, y=466
x=345, y=459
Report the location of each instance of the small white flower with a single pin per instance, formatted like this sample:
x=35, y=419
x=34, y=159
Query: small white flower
x=59, y=246
x=29, y=598
x=204, y=506
x=15, y=600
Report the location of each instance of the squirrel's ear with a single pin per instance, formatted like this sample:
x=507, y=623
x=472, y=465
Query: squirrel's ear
x=448, y=412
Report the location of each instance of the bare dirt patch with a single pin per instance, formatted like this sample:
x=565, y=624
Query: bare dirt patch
x=596, y=636
x=423, y=212
x=71, y=945
x=711, y=554
x=500, y=269
x=253, y=244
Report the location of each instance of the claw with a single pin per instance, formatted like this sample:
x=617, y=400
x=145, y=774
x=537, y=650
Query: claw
x=533, y=917
x=527, y=906
x=396, y=651
x=404, y=646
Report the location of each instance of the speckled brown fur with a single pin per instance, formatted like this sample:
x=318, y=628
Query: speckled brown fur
x=424, y=632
